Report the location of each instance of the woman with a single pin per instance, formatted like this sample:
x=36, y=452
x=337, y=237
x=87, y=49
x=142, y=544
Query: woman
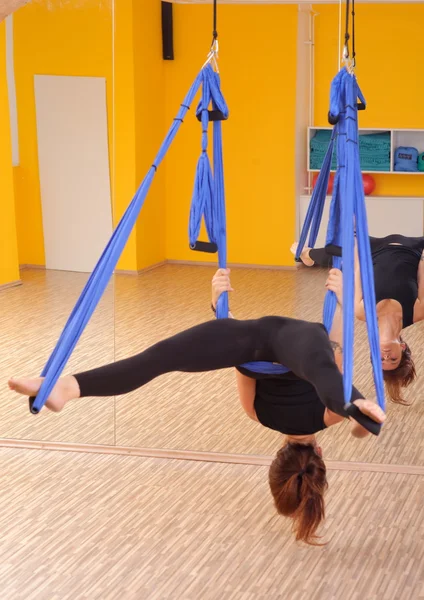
x=399, y=289
x=299, y=403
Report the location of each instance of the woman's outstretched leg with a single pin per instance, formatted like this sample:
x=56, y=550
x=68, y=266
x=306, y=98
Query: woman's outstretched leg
x=210, y=346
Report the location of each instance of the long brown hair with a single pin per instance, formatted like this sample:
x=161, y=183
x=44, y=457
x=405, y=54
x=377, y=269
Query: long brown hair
x=400, y=377
x=297, y=478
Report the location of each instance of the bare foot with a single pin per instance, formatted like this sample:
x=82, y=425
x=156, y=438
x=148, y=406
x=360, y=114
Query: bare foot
x=372, y=410
x=304, y=256
x=66, y=389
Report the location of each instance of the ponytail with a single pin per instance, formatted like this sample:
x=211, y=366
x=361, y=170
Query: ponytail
x=297, y=478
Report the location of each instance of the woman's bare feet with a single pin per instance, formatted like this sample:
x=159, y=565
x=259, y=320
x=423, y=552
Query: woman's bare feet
x=372, y=410
x=66, y=389
x=304, y=256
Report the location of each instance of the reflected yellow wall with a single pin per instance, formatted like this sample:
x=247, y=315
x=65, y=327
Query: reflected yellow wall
x=139, y=117
x=389, y=71
x=52, y=38
x=259, y=137
x=149, y=88
x=9, y=267
x=125, y=179
x=74, y=38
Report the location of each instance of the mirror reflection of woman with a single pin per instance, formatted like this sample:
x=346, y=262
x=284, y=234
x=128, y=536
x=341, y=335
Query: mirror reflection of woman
x=398, y=263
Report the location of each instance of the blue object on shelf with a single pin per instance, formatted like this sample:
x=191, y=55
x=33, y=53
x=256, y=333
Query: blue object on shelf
x=406, y=159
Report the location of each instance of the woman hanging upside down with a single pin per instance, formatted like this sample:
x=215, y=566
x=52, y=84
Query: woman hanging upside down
x=299, y=403
x=398, y=263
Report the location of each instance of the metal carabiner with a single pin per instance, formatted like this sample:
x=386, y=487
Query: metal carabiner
x=212, y=57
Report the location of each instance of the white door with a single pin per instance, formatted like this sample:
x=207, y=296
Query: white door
x=74, y=170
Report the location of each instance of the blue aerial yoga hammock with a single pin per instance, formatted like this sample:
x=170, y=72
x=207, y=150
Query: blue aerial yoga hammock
x=208, y=201
x=347, y=213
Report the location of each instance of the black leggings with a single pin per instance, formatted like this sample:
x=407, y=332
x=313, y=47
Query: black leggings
x=323, y=257
x=303, y=347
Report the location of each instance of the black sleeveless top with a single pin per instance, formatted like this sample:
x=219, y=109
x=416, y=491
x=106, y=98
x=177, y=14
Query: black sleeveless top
x=401, y=263
x=289, y=404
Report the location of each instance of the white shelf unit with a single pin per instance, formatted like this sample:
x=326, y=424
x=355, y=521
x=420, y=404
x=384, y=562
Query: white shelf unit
x=398, y=137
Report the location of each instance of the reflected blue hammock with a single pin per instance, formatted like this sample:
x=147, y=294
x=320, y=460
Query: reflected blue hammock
x=102, y=273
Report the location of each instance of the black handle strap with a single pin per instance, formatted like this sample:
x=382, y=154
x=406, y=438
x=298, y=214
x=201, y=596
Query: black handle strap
x=32, y=410
x=366, y=422
x=208, y=247
x=214, y=115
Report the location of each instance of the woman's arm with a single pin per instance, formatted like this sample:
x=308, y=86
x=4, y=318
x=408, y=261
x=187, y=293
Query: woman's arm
x=221, y=283
x=247, y=390
x=246, y=386
x=336, y=337
x=7, y=7
x=334, y=283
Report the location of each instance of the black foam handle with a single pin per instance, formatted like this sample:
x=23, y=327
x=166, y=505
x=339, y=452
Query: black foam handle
x=333, y=119
x=208, y=247
x=32, y=410
x=333, y=250
x=214, y=115
x=366, y=422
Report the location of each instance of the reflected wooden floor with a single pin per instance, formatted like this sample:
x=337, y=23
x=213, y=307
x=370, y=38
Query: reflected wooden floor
x=31, y=319
x=196, y=412
x=108, y=527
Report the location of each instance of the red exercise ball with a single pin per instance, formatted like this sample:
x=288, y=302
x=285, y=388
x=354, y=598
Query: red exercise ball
x=330, y=182
x=369, y=184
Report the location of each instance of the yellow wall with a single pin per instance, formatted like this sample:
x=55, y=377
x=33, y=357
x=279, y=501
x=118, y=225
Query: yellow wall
x=52, y=38
x=9, y=267
x=389, y=71
x=258, y=71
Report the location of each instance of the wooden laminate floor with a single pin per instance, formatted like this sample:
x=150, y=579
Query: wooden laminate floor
x=102, y=527
x=178, y=411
